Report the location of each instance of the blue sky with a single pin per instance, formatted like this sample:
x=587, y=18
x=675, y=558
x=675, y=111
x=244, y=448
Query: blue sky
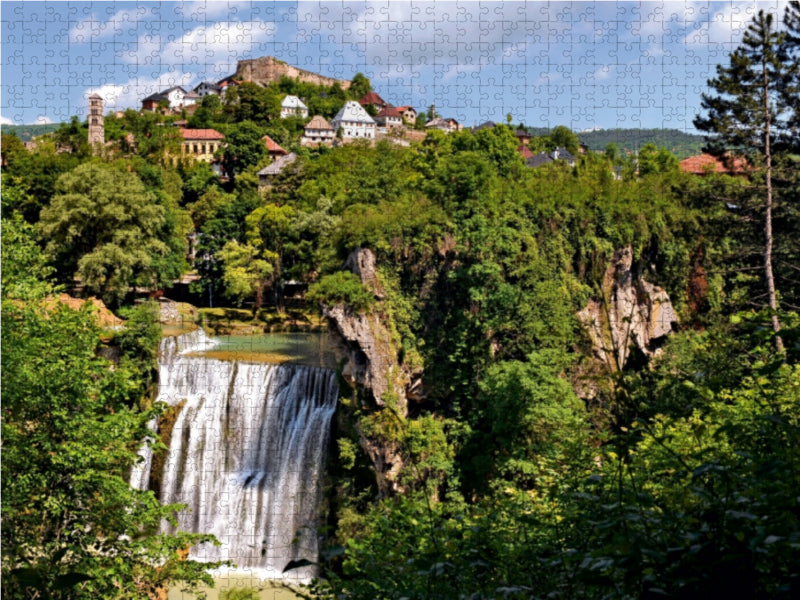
x=580, y=64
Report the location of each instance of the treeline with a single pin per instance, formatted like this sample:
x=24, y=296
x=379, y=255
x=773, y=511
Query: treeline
x=678, y=142
x=27, y=132
x=527, y=466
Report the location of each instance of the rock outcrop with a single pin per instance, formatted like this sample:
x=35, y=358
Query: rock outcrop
x=634, y=317
x=363, y=343
x=268, y=69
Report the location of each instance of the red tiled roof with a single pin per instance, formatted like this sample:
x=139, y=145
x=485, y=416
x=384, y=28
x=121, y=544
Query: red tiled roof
x=272, y=146
x=706, y=163
x=390, y=111
x=403, y=109
x=372, y=98
x=201, y=134
x=525, y=151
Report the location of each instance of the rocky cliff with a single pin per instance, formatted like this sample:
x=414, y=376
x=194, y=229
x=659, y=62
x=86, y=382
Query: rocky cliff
x=363, y=343
x=633, y=318
x=267, y=69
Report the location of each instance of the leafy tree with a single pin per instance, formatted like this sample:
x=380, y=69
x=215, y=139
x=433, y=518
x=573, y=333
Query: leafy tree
x=208, y=114
x=243, y=148
x=29, y=179
x=563, y=137
x=747, y=114
x=10, y=147
x=360, y=86
x=105, y=226
x=244, y=272
x=72, y=525
x=73, y=137
x=652, y=159
x=251, y=102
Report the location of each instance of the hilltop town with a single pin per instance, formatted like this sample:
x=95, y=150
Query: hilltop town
x=323, y=111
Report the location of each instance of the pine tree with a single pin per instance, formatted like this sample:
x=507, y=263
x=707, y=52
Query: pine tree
x=747, y=115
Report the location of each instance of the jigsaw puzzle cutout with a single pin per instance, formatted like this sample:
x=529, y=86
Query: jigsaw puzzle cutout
x=583, y=64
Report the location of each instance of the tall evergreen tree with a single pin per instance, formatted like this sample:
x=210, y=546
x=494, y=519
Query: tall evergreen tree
x=746, y=115
x=791, y=89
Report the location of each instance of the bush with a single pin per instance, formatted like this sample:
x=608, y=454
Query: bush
x=342, y=287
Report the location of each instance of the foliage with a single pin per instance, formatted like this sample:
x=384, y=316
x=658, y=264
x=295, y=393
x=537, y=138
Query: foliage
x=72, y=525
x=245, y=274
x=103, y=225
x=245, y=593
x=748, y=114
x=359, y=86
x=243, y=148
x=341, y=287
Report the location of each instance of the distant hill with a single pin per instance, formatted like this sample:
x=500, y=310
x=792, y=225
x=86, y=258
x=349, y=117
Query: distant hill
x=27, y=132
x=681, y=144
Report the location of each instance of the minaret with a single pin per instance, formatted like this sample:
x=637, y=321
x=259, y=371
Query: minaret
x=97, y=134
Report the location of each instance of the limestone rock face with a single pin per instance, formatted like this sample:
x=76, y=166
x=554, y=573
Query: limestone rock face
x=268, y=69
x=635, y=317
x=371, y=365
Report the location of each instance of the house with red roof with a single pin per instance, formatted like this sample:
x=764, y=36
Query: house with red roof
x=389, y=117
x=274, y=150
x=200, y=144
x=375, y=100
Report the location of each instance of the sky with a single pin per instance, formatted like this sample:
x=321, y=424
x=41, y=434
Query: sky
x=586, y=65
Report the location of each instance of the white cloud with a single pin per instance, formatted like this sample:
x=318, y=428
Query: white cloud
x=43, y=120
x=727, y=25
x=94, y=28
x=211, y=51
x=6, y=121
x=202, y=9
x=131, y=93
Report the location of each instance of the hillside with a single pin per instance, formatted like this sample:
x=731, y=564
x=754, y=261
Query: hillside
x=681, y=144
x=27, y=132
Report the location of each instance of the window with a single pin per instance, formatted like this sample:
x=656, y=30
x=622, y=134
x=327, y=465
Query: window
x=203, y=149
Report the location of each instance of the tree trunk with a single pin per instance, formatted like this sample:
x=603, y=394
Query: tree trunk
x=773, y=302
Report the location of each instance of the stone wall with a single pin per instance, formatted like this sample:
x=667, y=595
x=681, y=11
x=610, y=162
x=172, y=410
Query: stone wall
x=268, y=69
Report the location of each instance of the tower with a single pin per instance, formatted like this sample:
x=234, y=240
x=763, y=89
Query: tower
x=97, y=133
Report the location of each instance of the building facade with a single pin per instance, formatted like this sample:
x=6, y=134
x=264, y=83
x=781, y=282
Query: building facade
x=354, y=122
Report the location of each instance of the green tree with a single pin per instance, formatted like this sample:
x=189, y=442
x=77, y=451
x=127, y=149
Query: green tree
x=105, y=226
x=73, y=137
x=243, y=148
x=73, y=528
x=747, y=114
x=563, y=137
x=245, y=271
x=652, y=159
x=360, y=86
x=10, y=147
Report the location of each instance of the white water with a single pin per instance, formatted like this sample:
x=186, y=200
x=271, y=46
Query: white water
x=246, y=454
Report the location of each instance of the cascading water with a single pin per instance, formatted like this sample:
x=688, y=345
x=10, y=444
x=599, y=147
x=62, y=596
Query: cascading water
x=246, y=454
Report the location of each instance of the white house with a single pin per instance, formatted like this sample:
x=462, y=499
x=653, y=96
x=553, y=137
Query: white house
x=354, y=122
x=206, y=88
x=173, y=96
x=318, y=131
x=292, y=106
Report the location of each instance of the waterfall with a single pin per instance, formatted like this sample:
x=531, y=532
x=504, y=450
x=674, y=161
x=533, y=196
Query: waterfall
x=246, y=454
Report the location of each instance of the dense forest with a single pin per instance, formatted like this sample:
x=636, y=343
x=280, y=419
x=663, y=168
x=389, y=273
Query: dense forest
x=543, y=453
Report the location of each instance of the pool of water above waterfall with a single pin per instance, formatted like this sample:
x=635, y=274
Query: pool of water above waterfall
x=294, y=348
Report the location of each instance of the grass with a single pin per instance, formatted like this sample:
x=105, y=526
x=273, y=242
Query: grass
x=265, y=589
